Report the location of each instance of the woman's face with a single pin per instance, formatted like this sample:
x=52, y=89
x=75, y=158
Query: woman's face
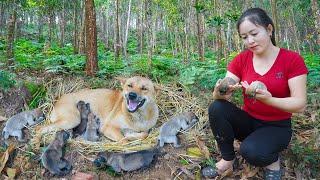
x=255, y=37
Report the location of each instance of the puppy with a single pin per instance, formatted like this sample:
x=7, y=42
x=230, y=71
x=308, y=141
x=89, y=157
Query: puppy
x=224, y=85
x=84, y=109
x=125, y=161
x=16, y=123
x=92, y=130
x=52, y=158
x=251, y=90
x=170, y=129
x=132, y=108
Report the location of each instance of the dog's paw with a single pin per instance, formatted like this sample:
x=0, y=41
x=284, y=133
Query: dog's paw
x=144, y=135
x=123, y=141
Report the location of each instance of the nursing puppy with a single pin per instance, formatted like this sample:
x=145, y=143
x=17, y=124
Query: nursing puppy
x=84, y=109
x=132, y=108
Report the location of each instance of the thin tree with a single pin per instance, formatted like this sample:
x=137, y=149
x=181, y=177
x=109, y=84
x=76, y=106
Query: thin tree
x=127, y=31
x=275, y=18
x=91, y=38
x=117, y=43
x=10, y=36
x=200, y=27
x=316, y=14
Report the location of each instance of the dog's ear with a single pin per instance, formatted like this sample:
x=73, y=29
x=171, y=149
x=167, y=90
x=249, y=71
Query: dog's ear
x=122, y=80
x=157, y=87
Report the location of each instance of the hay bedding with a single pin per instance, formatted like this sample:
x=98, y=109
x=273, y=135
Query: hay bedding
x=171, y=100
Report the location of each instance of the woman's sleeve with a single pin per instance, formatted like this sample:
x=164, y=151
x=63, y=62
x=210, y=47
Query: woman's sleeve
x=297, y=67
x=235, y=66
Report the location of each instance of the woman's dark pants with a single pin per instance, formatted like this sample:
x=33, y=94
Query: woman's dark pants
x=261, y=140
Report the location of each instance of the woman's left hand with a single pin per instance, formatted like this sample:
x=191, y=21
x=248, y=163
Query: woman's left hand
x=263, y=95
x=260, y=94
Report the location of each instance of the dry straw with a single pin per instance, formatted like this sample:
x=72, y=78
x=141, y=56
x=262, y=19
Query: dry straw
x=171, y=100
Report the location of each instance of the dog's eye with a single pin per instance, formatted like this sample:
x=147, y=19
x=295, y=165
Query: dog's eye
x=130, y=85
x=143, y=88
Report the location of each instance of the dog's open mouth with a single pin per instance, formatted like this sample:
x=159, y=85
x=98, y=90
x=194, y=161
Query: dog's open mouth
x=133, y=105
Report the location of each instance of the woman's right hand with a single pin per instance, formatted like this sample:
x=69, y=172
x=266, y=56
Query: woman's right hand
x=216, y=93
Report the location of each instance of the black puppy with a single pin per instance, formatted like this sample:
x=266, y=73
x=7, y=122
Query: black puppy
x=84, y=109
x=53, y=157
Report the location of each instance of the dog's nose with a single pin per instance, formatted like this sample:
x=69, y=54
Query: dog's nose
x=132, y=95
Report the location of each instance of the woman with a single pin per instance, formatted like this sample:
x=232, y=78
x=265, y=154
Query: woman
x=263, y=124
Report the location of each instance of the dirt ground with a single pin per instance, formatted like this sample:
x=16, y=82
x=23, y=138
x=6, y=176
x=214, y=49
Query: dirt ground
x=171, y=163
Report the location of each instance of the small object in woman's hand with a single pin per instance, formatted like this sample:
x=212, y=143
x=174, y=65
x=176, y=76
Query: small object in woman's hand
x=223, y=87
x=251, y=91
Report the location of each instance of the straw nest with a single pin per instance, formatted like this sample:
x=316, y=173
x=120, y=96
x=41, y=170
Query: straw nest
x=171, y=100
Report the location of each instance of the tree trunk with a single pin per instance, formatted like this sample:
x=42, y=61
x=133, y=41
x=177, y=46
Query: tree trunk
x=200, y=24
x=117, y=44
x=140, y=33
x=148, y=23
x=75, y=30
x=82, y=36
x=2, y=18
x=294, y=28
x=51, y=22
x=40, y=28
x=19, y=25
x=316, y=14
x=105, y=30
x=127, y=30
x=91, y=38
x=275, y=18
x=10, y=36
x=62, y=24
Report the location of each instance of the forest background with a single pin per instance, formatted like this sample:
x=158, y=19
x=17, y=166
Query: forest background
x=184, y=42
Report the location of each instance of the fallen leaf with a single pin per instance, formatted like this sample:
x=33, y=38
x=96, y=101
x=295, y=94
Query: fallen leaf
x=195, y=152
x=249, y=171
x=4, y=157
x=11, y=173
x=203, y=148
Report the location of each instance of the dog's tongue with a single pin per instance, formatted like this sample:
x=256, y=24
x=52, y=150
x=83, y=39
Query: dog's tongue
x=132, y=105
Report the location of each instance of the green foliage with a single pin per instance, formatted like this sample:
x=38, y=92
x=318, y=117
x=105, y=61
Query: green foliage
x=313, y=63
x=210, y=162
x=38, y=93
x=7, y=80
x=216, y=21
x=65, y=64
x=184, y=161
x=2, y=44
x=202, y=75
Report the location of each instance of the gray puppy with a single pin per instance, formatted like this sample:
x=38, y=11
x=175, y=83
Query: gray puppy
x=16, y=123
x=53, y=157
x=170, y=129
x=224, y=85
x=92, y=130
x=126, y=161
x=84, y=109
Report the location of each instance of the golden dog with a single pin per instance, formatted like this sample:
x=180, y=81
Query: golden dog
x=125, y=115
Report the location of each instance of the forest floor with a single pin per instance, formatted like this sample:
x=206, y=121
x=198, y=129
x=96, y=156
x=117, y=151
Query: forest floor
x=172, y=163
